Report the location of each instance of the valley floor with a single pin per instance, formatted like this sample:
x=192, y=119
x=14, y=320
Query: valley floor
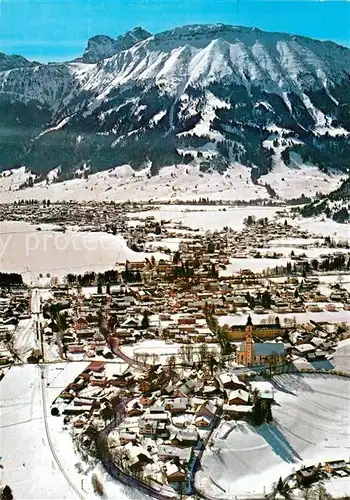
x=311, y=422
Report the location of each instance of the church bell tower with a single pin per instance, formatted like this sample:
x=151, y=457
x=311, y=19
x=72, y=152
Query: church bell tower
x=249, y=341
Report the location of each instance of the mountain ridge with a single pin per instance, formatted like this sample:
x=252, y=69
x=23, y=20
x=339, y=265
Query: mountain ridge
x=102, y=46
x=206, y=95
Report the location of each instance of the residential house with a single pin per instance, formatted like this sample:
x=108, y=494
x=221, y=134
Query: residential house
x=203, y=421
x=174, y=474
x=238, y=397
x=236, y=412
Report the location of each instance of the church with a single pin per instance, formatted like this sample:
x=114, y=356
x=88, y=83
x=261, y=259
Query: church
x=251, y=353
x=262, y=331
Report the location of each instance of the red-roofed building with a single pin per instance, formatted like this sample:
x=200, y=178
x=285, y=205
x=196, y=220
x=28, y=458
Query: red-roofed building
x=96, y=366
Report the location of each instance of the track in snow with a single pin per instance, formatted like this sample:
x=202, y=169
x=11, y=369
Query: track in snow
x=52, y=448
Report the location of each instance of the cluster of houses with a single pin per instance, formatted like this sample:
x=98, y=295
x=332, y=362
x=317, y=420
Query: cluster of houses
x=176, y=309
x=88, y=216
x=14, y=308
x=161, y=412
x=324, y=471
x=162, y=418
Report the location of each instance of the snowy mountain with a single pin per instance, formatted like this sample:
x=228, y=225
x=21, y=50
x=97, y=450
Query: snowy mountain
x=11, y=62
x=210, y=96
x=101, y=46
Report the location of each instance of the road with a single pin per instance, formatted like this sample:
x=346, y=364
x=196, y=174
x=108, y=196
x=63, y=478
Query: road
x=47, y=431
x=36, y=311
x=27, y=334
x=130, y=361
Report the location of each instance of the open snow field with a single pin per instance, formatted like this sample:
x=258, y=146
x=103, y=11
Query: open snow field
x=255, y=265
x=161, y=350
x=208, y=217
x=311, y=425
x=29, y=466
x=301, y=178
x=324, y=227
x=174, y=182
x=30, y=252
x=338, y=488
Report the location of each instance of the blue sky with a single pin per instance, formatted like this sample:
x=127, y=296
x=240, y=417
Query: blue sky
x=50, y=30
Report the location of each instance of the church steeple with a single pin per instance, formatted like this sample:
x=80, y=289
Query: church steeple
x=249, y=341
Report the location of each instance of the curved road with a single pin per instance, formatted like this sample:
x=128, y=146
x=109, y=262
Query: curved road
x=52, y=448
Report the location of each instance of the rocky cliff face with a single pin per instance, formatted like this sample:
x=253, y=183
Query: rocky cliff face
x=101, y=46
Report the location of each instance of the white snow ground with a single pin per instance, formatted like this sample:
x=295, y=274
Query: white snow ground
x=208, y=217
x=311, y=425
x=341, y=357
x=183, y=182
x=300, y=318
x=60, y=253
x=323, y=226
x=29, y=466
x=338, y=488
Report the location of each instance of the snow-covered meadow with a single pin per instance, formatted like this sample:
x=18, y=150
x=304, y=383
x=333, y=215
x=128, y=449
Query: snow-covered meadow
x=31, y=252
x=341, y=316
x=311, y=425
x=206, y=217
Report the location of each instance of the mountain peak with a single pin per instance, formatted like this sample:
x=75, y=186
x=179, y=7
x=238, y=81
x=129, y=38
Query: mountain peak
x=102, y=46
x=210, y=95
x=13, y=61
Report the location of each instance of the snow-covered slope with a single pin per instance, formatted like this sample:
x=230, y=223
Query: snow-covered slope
x=209, y=95
x=182, y=182
x=11, y=62
x=311, y=422
x=335, y=205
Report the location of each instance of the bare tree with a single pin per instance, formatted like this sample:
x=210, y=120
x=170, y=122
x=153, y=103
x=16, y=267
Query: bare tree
x=154, y=358
x=203, y=354
x=189, y=353
x=322, y=493
x=171, y=362
x=143, y=357
x=182, y=354
x=97, y=485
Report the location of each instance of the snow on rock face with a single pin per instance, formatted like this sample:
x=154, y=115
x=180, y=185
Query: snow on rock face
x=141, y=97
x=12, y=180
x=10, y=62
x=102, y=46
x=46, y=84
x=199, y=55
x=202, y=54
